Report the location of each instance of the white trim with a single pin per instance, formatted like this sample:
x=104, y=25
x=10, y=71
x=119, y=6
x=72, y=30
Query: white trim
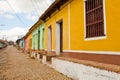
x=58, y=38
x=84, y=20
x=49, y=38
x=52, y=50
x=104, y=12
x=105, y=31
x=69, y=26
x=96, y=38
x=94, y=52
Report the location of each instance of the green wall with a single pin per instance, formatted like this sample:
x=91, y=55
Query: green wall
x=35, y=33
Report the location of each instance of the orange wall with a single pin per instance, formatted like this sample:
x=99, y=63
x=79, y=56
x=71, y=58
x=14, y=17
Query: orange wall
x=30, y=41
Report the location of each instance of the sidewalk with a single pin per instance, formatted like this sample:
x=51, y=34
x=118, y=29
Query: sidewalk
x=15, y=65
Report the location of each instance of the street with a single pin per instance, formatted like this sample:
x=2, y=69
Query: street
x=15, y=65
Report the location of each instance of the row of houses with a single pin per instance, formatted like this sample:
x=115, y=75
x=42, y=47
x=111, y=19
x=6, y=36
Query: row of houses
x=3, y=44
x=77, y=29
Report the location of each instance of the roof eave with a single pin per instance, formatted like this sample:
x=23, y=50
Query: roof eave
x=54, y=6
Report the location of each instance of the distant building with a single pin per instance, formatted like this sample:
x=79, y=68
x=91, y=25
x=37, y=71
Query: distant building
x=3, y=44
x=10, y=42
x=28, y=41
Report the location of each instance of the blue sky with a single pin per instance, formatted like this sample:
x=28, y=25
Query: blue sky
x=16, y=16
x=7, y=23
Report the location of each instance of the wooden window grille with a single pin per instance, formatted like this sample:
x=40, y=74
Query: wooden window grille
x=94, y=18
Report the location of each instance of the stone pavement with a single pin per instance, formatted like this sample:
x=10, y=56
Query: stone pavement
x=15, y=65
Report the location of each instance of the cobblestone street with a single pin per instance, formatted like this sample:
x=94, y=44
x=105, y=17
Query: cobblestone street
x=14, y=65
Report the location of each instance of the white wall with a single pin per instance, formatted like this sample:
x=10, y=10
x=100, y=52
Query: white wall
x=82, y=72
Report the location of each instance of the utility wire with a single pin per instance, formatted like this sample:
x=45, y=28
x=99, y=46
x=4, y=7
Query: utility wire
x=47, y=3
x=35, y=7
x=15, y=13
x=36, y=4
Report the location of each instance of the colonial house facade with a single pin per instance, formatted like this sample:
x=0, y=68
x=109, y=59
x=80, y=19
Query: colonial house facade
x=83, y=29
x=38, y=36
x=28, y=41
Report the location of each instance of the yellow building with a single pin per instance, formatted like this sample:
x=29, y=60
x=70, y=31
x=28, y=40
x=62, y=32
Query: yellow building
x=83, y=29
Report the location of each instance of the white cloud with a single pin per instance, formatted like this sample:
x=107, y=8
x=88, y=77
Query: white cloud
x=13, y=34
x=8, y=16
x=21, y=7
x=31, y=17
x=26, y=6
x=4, y=7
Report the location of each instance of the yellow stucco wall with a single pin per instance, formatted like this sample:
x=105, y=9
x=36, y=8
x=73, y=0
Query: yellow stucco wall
x=111, y=43
x=77, y=40
x=62, y=14
x=29, y=41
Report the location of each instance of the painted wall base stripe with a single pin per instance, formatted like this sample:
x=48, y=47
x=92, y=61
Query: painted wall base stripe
x=92, y=52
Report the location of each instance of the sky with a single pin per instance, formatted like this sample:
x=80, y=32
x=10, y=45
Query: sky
x=17, y=16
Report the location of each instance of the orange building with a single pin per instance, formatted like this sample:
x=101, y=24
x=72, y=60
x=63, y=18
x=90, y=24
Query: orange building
x=28, y=41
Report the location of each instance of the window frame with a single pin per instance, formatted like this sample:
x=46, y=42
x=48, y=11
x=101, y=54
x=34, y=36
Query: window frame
x=104, y=17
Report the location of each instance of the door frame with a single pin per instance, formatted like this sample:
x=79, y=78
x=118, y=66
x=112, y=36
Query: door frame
x=59, y=37
x=49, y=39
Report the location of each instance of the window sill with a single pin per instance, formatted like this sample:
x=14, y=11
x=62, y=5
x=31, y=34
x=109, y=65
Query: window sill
x=96, y=38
